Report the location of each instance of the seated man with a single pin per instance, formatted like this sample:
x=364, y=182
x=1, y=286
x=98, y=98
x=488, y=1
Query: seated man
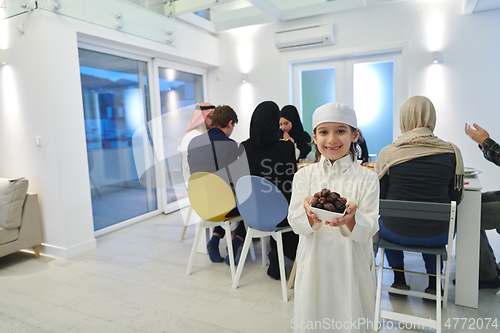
x=214, y=152
x=490, y=211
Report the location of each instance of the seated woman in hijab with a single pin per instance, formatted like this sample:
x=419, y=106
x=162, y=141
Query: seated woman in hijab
x=418, y=166
x=199, y=123
x=291, y=129
x=273, y=159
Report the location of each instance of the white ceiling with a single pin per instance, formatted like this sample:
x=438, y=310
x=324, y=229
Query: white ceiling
x=229, y=14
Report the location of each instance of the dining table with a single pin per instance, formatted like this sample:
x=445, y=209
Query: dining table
x=467, y=244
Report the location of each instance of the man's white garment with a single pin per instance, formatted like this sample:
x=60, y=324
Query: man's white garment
x=183, y=147
x=335, y=271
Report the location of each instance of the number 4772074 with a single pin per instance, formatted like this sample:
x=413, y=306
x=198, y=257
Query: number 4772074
x=471, y=323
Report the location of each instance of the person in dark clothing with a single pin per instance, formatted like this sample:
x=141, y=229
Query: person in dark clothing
x=214, y=152
x=291, y=129
x=489, y=271
x=418, y=166
x=362, y=149
x=273, y=159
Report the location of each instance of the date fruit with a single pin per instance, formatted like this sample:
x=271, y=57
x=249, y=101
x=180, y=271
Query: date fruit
x=329, y=200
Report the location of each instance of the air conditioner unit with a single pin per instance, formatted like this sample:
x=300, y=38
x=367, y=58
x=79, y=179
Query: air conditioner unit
x=305, y=37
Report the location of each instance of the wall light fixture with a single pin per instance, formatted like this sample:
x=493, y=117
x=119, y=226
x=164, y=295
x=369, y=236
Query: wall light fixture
x=436, y=57
x=244, y=77
x=4, y=57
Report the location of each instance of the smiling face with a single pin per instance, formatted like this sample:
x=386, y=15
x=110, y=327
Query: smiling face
x=333, y=140
x=285, y=125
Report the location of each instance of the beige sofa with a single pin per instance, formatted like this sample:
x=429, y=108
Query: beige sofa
x=20, y=223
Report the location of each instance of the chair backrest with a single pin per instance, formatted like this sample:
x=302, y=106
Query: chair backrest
x=210, y=196
x=421, y=210
x=260, y=203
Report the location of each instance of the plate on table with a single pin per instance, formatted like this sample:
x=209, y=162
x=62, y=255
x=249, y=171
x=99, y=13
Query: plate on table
x=326, y=215
x=471, y=172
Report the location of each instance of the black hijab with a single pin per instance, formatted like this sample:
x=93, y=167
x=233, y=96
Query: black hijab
x=265, y=124
x=301, y=138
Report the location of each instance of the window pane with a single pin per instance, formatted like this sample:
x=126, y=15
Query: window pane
x=116, y=104
x=179, y=94
x=373, y=93
x=317, y=88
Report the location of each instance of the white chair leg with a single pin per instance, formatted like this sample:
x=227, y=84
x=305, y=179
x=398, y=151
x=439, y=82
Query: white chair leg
x=281, y=260
x=252, y=250
x=263, y=244
x=230, y=249
x=446, y=281
x=438, y=293
x=379, y=288
x=243, y=257
x=186, y=223
x=195, y=246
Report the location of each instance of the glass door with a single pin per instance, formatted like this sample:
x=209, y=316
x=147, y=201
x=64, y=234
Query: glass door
x=116, y=104
x=181, y=88
x=316, y=83
x=371, y=84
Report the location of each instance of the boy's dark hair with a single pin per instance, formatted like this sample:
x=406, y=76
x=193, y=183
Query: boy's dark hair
x=222, y=115
x=352, y=148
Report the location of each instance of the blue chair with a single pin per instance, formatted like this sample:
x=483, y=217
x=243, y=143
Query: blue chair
x=262, y=206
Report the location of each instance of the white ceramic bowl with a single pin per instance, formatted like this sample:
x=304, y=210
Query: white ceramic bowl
x=326, y=215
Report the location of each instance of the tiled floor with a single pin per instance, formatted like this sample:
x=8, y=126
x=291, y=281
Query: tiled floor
x=135, y=282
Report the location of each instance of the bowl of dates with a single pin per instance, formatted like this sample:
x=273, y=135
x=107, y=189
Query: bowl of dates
x=328, y=205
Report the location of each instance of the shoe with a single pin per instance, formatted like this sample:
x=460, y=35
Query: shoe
x=399, y=282
x=213, y=249
x=400, y=286
x=274, y=269
x=493, y=284
x=432, y=291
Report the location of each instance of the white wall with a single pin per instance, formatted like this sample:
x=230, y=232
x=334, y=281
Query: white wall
x=463, y=88
x=40, y=95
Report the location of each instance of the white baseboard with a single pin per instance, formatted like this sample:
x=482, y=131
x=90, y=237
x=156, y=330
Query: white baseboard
x=68, y=253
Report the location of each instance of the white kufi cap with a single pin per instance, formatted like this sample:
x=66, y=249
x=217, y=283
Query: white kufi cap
x=334, y=113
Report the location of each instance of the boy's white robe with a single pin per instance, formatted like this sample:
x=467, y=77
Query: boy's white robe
x=334, y=285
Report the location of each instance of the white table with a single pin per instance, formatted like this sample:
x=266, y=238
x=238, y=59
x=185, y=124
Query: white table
x=467, y=245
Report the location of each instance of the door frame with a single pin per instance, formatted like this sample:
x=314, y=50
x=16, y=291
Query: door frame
x=157, y=132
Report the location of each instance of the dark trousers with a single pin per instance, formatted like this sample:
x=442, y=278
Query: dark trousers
x=290, y=243
x=490, y=219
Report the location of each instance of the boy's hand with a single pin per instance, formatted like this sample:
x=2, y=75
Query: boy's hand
x=348, y=218
x=310, y=215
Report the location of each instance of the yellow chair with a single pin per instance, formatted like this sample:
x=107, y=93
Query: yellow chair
x=211, y=198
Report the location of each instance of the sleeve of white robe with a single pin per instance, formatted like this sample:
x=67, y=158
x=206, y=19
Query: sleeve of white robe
x=297, y=217
x=367, y=212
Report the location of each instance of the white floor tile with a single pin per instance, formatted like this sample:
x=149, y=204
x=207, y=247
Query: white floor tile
x=127, y=314
x=12, y=325
x=96, y=325
x=38, y=313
